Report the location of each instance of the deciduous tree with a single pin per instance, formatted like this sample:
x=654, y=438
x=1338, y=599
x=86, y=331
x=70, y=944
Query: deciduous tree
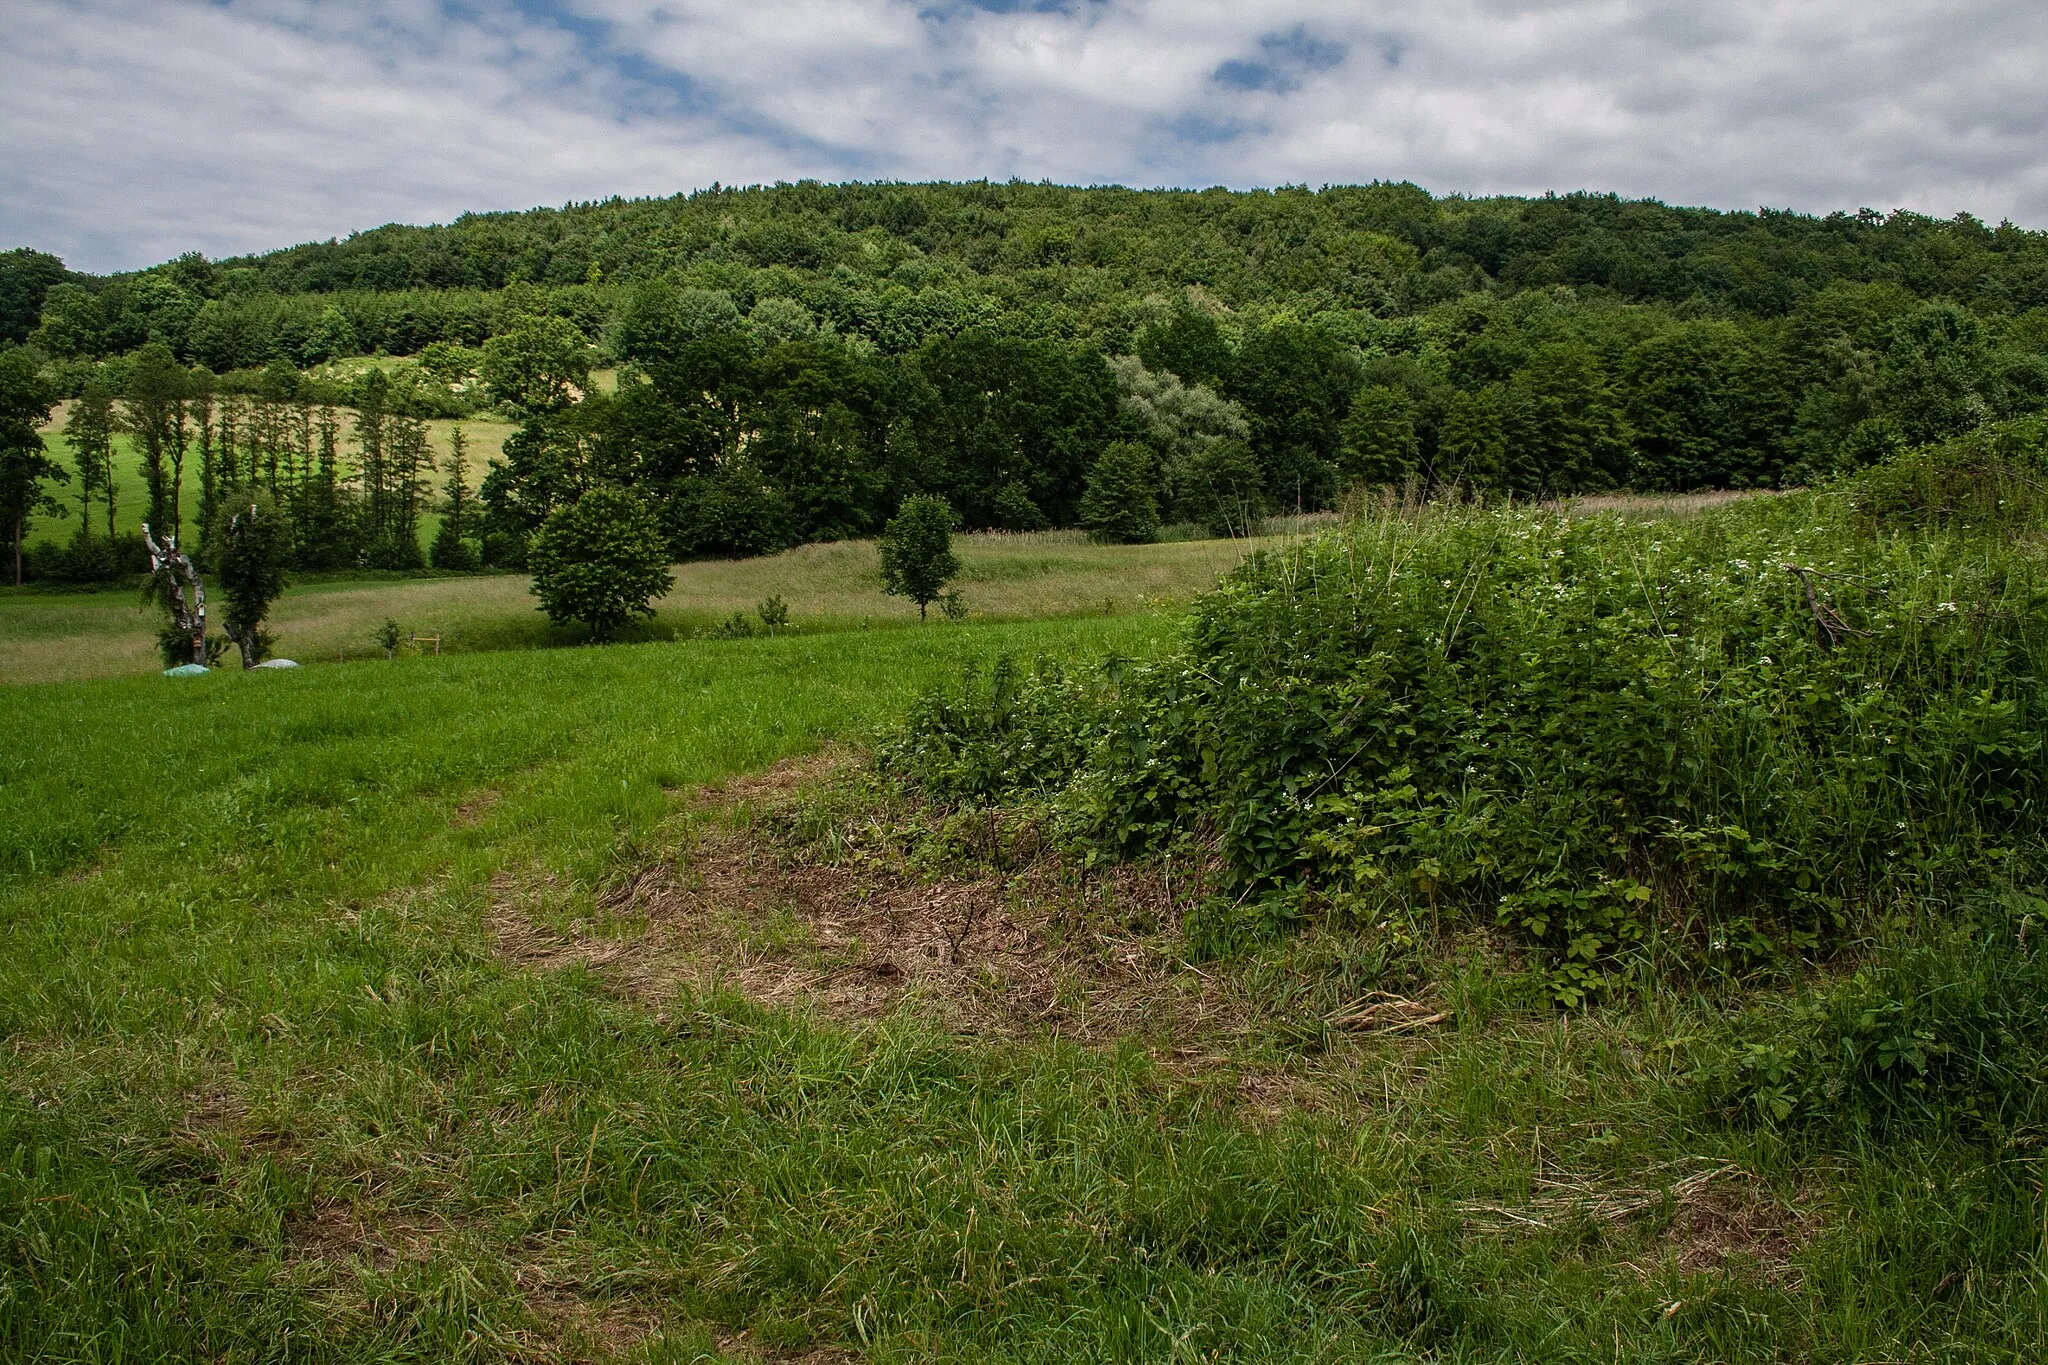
x=89, y=430
x=602, y=560
x=1119, y=505
x=26, y=398
x=251, y=542
x=917, y=551
x=539, y=366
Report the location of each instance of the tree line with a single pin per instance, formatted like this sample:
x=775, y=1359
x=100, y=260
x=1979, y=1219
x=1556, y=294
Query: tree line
x=348, y=473
x=796, y=360
x=747, y=443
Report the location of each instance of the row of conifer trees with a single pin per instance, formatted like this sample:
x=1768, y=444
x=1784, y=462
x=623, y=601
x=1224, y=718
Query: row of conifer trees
x=354, y=483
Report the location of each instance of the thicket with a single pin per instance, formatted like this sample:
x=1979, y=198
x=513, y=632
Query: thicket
x=1719, y=743
x=799, y=359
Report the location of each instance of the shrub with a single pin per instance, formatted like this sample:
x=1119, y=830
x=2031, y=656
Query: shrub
x=601, y=560
x=734, y=627
x=1994, y=478
x=734, y=511
x=1947, y=1026
x=1224, y=489
x=997, y=735
x=397, y=550
x=505, y=550
x=451, y=550
x=1622, y=740
x=93, y=559
x=175, y=646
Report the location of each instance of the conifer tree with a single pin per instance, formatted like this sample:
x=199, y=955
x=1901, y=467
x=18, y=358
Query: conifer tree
x=371, y=414
x=1472, y=448
x=227, y=440
x=89, y=429
x=1380, y=444
x=200, y=406
x=452, y=549
x=26, y=398
x=406, y=457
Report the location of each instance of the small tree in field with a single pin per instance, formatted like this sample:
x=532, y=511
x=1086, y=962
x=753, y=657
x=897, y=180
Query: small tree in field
x=917, y=551
x=601, y=560
x=252, y=542
x=1120, y=506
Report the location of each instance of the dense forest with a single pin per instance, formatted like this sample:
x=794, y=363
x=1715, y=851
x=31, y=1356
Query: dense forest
x=795, y=360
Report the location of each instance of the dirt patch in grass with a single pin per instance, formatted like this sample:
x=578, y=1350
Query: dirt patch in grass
x=806, y=903
x=337, y=1232
x=1736, y=1225
x=568, y=1326
x=563, y=1322
x=1002, y=955
x=1030, y=949
x=476, y=808
x=742, y=1346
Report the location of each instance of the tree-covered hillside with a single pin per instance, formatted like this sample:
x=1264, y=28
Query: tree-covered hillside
x=798, y=358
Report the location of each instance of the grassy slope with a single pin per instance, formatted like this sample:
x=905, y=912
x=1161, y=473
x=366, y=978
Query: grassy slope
x=67, y=636
x=246, y=992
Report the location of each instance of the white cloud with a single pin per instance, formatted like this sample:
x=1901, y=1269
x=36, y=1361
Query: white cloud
x=135, y=129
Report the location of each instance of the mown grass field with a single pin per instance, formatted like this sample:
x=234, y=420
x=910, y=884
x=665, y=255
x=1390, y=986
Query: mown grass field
x=274, y=1091
x=53, y=636
x=444, y=1009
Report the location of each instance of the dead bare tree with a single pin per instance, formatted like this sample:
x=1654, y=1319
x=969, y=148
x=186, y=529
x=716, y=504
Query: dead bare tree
x=174, y=581
x=1828, y=624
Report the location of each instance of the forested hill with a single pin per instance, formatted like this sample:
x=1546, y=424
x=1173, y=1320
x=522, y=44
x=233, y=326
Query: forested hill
x=1072, y=252
x=839, y=346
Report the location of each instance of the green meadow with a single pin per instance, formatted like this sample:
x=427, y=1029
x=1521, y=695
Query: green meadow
x=509, y=1005
x=50, y=636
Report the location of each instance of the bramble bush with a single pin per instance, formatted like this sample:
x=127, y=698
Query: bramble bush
x=1947, y=1025
x=1724, y=739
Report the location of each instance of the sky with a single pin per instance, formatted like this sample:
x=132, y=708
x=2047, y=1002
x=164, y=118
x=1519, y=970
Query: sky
x=133, y=130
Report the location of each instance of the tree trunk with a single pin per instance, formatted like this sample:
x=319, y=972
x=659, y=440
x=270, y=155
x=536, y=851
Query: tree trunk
x=17, y=551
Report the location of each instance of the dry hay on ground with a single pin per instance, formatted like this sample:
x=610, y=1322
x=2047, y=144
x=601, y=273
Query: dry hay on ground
x=1012, y=943
x=1037, y=949
x=337, y=1232
x=1722, y=1220
x=1736, y=1225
